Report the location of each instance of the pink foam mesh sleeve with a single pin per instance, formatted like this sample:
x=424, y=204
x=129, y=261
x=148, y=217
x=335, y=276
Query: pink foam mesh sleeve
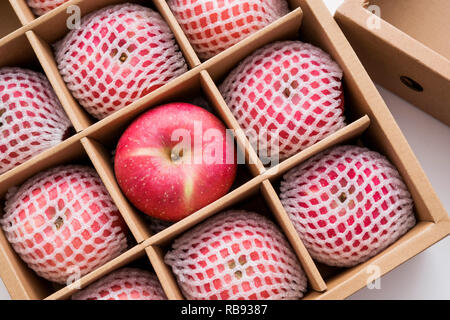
x=63, y=223
x=31, y=117
x=124, y=284
x=347, y=204
x=119, y=54
x=236, y=255
x=40, y=7
x=286, y=97
x=213, y=26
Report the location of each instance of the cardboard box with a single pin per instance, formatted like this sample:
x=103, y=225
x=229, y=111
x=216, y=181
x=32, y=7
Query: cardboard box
x=407, y=50
x=370, y=123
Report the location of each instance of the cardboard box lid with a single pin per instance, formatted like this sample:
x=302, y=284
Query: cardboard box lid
x=406, y=50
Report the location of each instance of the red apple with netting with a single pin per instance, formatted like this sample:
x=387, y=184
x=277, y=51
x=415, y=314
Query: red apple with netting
x=118, y=55
x=31, y=117
x=124, y=284
x=40, y=7
x=215, y=25
x=236, y=255
x=286, y=97
x=347, y=204
x=63, y=223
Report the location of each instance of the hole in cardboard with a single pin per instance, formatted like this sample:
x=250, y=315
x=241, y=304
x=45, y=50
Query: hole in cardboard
x=410, y=83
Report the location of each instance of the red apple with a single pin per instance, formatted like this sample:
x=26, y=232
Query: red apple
x=174, y=160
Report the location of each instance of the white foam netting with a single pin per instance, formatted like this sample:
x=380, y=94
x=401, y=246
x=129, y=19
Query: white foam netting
x=120, y=54
x=347, y=204
x=124, y=284
x=40, y=7
x=236, y=255
x=213, y=26
x=31, y=117
x=286, y=97
x=63, y=223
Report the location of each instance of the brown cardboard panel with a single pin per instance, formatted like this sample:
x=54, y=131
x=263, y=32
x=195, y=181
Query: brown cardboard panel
x=222, y=109
x=389, y=55
x=21, y=282
x=263, y=201
x=315, y=279
x=425, y=21
x=125, y=258
x=101, y=159
x=53, y=25
x=9, y=22
x=284, y=28
x=186, y=47
x=165, y=275
x=349, y=132
x=22, y=11
x=415, y=241
x=312, y=20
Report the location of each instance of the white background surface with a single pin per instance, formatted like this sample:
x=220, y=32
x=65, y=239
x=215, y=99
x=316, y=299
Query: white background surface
x=427, y=275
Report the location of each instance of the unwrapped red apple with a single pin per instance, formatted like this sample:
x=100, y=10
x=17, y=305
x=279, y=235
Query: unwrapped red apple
x=174, y=160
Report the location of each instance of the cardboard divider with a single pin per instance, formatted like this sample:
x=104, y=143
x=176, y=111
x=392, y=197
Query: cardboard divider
x=136, y=252
x=314, y=278
x=408, y=57
x=9, y=22
x=411, y=244
x=64, y=152
x=183, y=42
x=164, y=273
x=349, y=132
x=208, y=85
x=238, y=194
x=22, y=283
x=77, y=115
x=15, y=50
x=22, y=11
x=284, y=28
x=101, y=160
x=259, y=197
x=52, y=26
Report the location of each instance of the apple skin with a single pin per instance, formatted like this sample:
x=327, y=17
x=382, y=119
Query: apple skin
x=171, y=187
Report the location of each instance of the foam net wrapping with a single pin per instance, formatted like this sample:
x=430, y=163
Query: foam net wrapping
x=236, y=255
x=213, y=26
x=31, y=117
x=124, y=284
x=286, y=97
x=63, y=223
x=40, y=7
x=347, y=204
x=120, y=54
